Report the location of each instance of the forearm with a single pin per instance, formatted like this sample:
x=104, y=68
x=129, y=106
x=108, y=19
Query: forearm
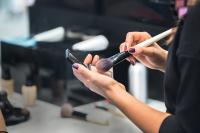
x=2, y=124
x=145, y=117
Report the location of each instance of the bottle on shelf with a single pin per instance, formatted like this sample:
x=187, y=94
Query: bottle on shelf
x=29, y=91
x=7, y=83
x=138, y=81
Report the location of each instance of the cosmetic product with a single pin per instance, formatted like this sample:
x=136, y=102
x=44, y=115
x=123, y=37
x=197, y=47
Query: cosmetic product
x=137, y=75
x=29, y=91
x=7, y=83
x=105, y=64
x=67, y=111
x=110, y=110
x=72, y=59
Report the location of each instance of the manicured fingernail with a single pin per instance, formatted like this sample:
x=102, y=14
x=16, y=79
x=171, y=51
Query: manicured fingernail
x=75, y=66
x=132, y=50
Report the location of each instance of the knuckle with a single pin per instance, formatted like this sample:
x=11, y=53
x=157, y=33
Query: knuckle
x=113, y=84
x=86, y=83
x=153, y=52
x=90, y=80
x=129, y=34
x=146, y=34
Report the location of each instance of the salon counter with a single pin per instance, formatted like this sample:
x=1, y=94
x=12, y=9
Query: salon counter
x=45, y=118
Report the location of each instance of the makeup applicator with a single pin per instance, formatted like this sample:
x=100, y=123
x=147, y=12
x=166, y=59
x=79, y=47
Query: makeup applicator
x=67, y=111
x=110, y=110
x=105, y=64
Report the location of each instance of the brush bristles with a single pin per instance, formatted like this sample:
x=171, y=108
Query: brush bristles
x=66, y=110
x=104, y=65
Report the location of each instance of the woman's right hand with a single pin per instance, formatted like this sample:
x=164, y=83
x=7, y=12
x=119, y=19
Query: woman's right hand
x=153, y=56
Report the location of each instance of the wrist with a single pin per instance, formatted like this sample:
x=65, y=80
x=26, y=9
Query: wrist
x=115, y=91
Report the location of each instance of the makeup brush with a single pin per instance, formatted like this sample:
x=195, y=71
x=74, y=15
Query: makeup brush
x=110, y=110
x=67, y=111
x=105, y=64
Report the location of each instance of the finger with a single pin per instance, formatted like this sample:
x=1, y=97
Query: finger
x=88, y=59
x=122, y=47
x=145, y=51
x=143, y=60
x=132, y=38
x=95, y=60
x=81, y=72
x=132, y=60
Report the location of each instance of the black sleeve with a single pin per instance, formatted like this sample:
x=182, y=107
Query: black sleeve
x=189, y=43
x=187, y=114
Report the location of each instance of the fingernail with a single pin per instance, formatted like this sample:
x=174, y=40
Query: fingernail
x=75, y=66
x=132, y=50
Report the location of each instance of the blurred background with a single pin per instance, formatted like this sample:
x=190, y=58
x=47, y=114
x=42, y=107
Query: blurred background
x=28, y=57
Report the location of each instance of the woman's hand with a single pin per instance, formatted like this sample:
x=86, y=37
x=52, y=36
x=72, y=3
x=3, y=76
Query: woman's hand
x=100, y=83
x=145, y=117
x=153, y=57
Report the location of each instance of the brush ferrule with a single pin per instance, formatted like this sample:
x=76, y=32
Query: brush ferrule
x=117, y=58
x=79, y=115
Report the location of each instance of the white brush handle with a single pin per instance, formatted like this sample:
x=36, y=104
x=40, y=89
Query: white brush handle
x=97, y=119
x=155, y=38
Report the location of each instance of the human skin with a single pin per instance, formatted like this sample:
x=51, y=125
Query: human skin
x=2, y=123
x=146, y=118
x=153, y=56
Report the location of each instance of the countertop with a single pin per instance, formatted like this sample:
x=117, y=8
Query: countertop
x=45, y=118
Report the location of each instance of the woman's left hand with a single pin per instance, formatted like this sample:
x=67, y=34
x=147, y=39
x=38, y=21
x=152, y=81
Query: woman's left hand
x=100, y=83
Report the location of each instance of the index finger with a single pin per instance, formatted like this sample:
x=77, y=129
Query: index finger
x=81, y=72
x=132, y=38
x=88, y=59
